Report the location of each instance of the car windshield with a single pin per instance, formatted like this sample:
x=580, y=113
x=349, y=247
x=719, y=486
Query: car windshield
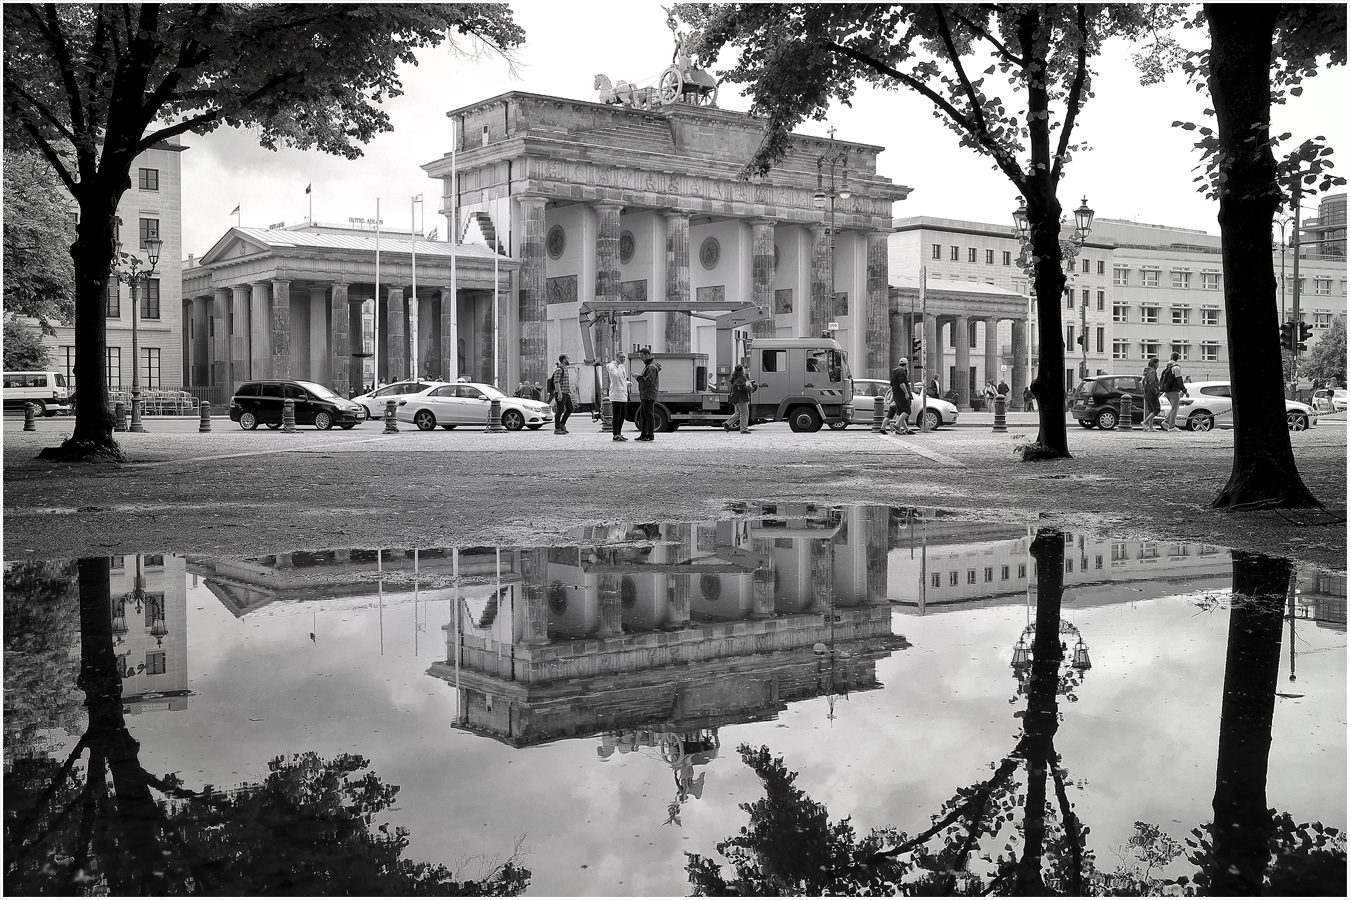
x=318, y=390
x=490, y=392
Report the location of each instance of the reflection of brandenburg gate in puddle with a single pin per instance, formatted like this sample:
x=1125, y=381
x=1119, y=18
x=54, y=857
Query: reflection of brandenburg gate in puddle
x=638, y=631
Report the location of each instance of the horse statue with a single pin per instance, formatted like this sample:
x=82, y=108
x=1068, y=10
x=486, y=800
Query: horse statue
x=625, y=94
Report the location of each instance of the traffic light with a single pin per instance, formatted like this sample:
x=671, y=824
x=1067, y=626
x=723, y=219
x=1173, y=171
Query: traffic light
x=916, y=348
x=1304, y=333
x=1287, y=335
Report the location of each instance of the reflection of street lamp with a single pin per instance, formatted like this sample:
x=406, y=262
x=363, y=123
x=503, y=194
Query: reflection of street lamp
x=839, y=190
x=128, y=271
x=141, y=598
x=1024, y=652
x=1068, y=251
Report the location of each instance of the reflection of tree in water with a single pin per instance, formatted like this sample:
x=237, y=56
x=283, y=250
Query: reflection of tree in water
x=110, y=826
x=790, y=846
x=41, y=629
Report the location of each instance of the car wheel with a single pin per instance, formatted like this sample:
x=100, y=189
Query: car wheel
x=932, y=419
x=838, y=425
x=425, y=420
x=1200, y=421
x=323, y=420
x=347, y=426
x=804, y=419
x=512, y=420
x=248, y=421
x=1085, y=423
x=39, y=408
x=273, y=426
x=448, y=426
x=1107, y=419
x=366, y=411
x=1297, y=421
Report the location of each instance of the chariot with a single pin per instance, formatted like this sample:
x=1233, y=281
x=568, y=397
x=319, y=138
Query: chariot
x=687, y=84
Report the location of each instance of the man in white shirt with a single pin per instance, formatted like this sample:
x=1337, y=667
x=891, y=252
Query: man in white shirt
x=618, y=392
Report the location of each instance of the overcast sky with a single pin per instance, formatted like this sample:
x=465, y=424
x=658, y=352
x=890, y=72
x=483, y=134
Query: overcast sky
x=1138, y=167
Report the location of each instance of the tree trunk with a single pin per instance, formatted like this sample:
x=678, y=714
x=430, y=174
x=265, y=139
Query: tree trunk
x=1242, y=822
x=1264, y=473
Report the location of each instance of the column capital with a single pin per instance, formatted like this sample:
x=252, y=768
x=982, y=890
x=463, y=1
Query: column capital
x=280, y=280
x=677, y=214
x=819, y=228
x=608, y=204
x=762, y=220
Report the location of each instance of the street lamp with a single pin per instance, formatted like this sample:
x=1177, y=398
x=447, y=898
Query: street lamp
x=1024, y=652
x=1068, y=252
x=840, y=190
x=128, y=271
x=141, y=598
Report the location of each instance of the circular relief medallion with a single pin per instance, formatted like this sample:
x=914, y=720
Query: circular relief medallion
x=556, y=241
x=709, y=252
x=626, y=247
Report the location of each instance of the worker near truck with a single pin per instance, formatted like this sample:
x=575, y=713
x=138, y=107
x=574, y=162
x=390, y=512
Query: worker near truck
x=618, y=392
x=741, y=389
x=648, y=385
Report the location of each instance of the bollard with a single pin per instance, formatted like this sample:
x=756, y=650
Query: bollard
x=606, y=414
x=206, y=417
x=1001, y=413
x=29, y=417
x=120, y=416
x=495, y=417
x=391, y=417
x=288, y=416
x=1126, y=412
x=878, y=413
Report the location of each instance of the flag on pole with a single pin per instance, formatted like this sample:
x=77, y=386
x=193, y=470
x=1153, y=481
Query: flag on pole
x=235, y=211
x=308, y=186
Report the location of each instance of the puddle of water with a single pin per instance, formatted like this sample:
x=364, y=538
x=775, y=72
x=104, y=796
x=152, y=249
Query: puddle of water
x=566, y=720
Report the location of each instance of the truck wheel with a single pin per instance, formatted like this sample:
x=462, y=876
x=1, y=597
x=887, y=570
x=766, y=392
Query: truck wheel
x=804, y=419
x=838, y=425
x=662, y=420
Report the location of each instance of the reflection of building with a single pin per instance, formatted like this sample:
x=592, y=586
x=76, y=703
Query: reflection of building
x=1321, y=597
x=150, y=642
x=675, y=628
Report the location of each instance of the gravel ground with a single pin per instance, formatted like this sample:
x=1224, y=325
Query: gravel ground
x=232, y=492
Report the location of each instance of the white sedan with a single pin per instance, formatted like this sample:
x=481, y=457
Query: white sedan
x=468, y=403
x=373, y=402
x=940, y=412
x=1209, y=404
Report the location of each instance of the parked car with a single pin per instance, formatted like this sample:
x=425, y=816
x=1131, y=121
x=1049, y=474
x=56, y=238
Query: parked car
x=1209, y=404
x=1096, y=403
x=1339, y=399
x=468, y=403
x=372, y=402
x=47, y=391
x=940, y=412
x=261, y=403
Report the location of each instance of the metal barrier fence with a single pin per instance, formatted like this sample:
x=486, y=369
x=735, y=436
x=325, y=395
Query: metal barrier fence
x=173, y=401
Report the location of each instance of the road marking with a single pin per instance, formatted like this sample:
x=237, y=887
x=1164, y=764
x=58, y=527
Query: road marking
x=328, y=445
x=939, y=458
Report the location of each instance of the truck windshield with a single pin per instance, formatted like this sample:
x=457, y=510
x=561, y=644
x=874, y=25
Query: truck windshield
x=835, y=365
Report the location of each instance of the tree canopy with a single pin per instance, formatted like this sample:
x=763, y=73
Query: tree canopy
x=39, y=228
x=1326, y=359
x=24, y=350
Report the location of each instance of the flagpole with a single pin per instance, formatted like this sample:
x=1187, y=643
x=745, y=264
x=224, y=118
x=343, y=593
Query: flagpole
x=496, y=323
x=412, y=309
x=375, y=330
x=310, y=194
x=454, y=245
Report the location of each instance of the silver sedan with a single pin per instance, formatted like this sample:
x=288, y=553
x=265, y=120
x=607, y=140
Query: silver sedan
x=468, y=403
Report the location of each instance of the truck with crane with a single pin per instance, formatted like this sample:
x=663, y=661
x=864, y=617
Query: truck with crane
x=803, y=381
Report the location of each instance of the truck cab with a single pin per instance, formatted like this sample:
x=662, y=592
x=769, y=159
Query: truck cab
x=805, y=381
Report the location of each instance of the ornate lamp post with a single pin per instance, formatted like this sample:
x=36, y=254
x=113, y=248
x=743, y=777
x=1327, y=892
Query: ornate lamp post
x=837, y=189
x=1068, y=251
x=140, y=598
x=1079, y=661
x=128, y=271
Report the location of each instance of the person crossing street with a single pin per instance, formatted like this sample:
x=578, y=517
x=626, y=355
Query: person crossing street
x=560, y=391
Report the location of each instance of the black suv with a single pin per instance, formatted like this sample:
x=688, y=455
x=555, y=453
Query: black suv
x=1097, y=400
x=260, y=403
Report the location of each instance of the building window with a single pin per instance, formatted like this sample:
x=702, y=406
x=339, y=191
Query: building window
x=1068, y=340
x=68, y=363
x=937, y=579
x=1181, y=280
x=112, y=300
x=1003, y=573
x=1101, y=301
x=1209, y=351
x=1068, y=298
x=1087, y=266
x=973, y=327
x=1068, y=564
x=1022, y=570
x=1120, y=349
x=1119, y=275
x=956, y=253
x=970, y=576
x=971, y=255
x=1209, y=281
x=114, y=359
x=1148, y=315
x=1007, y=257
x=1097, y=561
x=150, y=299
x=1209, y=315
x=1119, y=312
x=1322, y=286
x=937, y=251
x=954, y=578
x=1101, y=340
x=149, y=179
x=154, y=663
x=1183, y=349
x=988, y=574
x=1087, y=298
x=485, y=135
x=1321, y=320
x=1150, y=277
x=1181, y=315
x=989, y=257
x=149, y=229
x=1119, y=552
x=150, y=367
x=1148, y=349
x=1101, y=267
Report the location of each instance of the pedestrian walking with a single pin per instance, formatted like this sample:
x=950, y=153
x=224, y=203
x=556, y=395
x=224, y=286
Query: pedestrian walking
x=618, y=392
x=537, y=391
x=1028, y=400
x=899, y=400
x=1004, y=391
x=934, y=389
x=560, y=393
x=1173, y=387
x=648, y=384
x=741, y=389
x=990, y=392
x=1152, y=406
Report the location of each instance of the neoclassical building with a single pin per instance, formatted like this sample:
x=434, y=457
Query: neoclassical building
x=611, y=202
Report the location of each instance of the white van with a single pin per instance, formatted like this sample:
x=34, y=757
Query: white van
x=47, y=391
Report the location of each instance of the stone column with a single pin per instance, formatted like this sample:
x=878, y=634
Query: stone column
x=534, y=606
x=281, y=328
x=449, y=353
x=677, y=283
x=260, y=331
x=681, y=537
x=610, y=608
x=762, y=605
x=1019, y=360
x=239, y=335
x=320, y=354
x=991, y=357
x=606, y=267
x=899, y=332
x=340, y=341
x=878, y=305
x=220, y=351
x=932, y=330
x=961, y=331
x=428, y=339
x=763, y=275
x=533, y=307
x=201, y=341
x=396, y=336
x=820, y=279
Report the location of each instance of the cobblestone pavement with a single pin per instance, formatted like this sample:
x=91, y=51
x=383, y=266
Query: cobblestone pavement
x=236, y=492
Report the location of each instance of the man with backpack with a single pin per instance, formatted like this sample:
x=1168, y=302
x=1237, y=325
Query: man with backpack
x=1173, y=388
x=560, y=391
